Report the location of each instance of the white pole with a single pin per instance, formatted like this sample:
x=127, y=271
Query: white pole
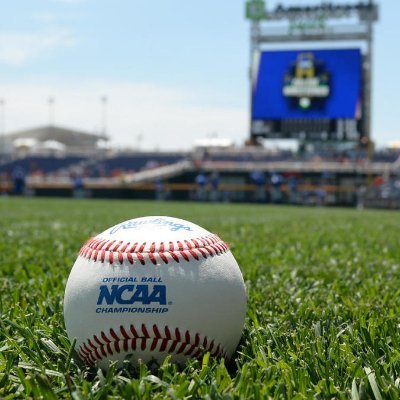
x=104, y=101
x=51, y=102
x=2, y=129
x=2, y=117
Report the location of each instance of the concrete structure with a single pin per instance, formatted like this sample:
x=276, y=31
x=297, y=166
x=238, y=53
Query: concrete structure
x=53, y=139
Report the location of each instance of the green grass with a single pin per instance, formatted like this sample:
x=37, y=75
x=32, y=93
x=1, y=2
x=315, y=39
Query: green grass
x=323, y=316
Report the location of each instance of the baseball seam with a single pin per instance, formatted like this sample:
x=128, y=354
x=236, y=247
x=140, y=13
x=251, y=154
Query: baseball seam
x=145, y=338
x=118, y=251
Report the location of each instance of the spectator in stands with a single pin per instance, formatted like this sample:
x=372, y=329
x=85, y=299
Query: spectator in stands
x=259, y=180
x=199, y=156
x=151, y=164
x=116, y=173
x=378, y=181
x=201, y=184
x=214, y=183
x=18, y=177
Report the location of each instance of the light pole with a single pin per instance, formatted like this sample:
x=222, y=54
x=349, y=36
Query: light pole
x=255, y=12
x=51, y=102
x=2, y=128
x=104, y=101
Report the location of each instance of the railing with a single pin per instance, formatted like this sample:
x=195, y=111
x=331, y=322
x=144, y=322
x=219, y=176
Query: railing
x=163, y=172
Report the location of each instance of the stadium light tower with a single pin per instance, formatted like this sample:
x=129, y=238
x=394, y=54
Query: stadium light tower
x=255, y=12
x=104, y=103
x=2, y=126
x=307, y=79
x=51, y=104
x=2, y=116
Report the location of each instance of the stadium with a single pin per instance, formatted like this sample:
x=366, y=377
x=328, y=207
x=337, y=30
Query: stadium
x=207, y=173
x=319, y=98
x=306, y=203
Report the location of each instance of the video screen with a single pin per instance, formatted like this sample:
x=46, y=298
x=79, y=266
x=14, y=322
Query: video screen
x=307, y=84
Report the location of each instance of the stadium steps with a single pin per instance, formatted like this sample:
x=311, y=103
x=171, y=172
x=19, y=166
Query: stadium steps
x=162, y=172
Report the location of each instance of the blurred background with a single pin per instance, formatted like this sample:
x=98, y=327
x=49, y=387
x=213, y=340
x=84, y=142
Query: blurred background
x=264, y=101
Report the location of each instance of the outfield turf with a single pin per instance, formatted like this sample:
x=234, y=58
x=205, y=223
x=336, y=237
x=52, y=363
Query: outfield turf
x=323, y=312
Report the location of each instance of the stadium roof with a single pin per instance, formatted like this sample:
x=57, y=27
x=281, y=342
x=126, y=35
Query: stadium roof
x=68, y=137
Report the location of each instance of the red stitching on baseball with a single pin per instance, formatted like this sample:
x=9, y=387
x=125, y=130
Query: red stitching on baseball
x=167, y=333
x=122, y=250
x=184, y=255
x=96, y=349
x=140, y=258
x=202, y=252
x=133, y=330
x=156, y=332
x=109, y=245
x=117, y=251
x=163, y=257
x=174, y=256
x=152, y=258
x=144, y=330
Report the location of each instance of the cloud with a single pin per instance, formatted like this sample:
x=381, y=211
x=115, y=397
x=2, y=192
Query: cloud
x=166, y=117
x=19, y=48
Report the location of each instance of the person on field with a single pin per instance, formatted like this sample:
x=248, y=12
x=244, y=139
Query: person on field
x=276, y=188
x=259, y=180
x=79, y=187
x=18, y=178
x=214, y=183
x=201, y=184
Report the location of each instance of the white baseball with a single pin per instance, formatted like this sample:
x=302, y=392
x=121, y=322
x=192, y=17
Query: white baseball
x=152, y=287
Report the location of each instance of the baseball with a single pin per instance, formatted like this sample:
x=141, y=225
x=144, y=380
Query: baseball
x=151, y=287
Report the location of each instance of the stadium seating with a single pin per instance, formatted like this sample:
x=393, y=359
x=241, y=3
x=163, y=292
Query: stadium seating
x=40, y=164
x=249, y=156
x=388, y=156
x=132, y=163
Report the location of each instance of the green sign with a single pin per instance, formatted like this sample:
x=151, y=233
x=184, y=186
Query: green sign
x=255, y=10
x=305, y=26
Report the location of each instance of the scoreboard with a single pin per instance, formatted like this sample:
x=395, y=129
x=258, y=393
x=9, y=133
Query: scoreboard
x=311, y=95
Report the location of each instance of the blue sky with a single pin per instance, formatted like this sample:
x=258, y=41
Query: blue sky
x=172, y=71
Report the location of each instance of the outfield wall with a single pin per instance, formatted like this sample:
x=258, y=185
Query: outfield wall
x=232, y=188
x=326, y=183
